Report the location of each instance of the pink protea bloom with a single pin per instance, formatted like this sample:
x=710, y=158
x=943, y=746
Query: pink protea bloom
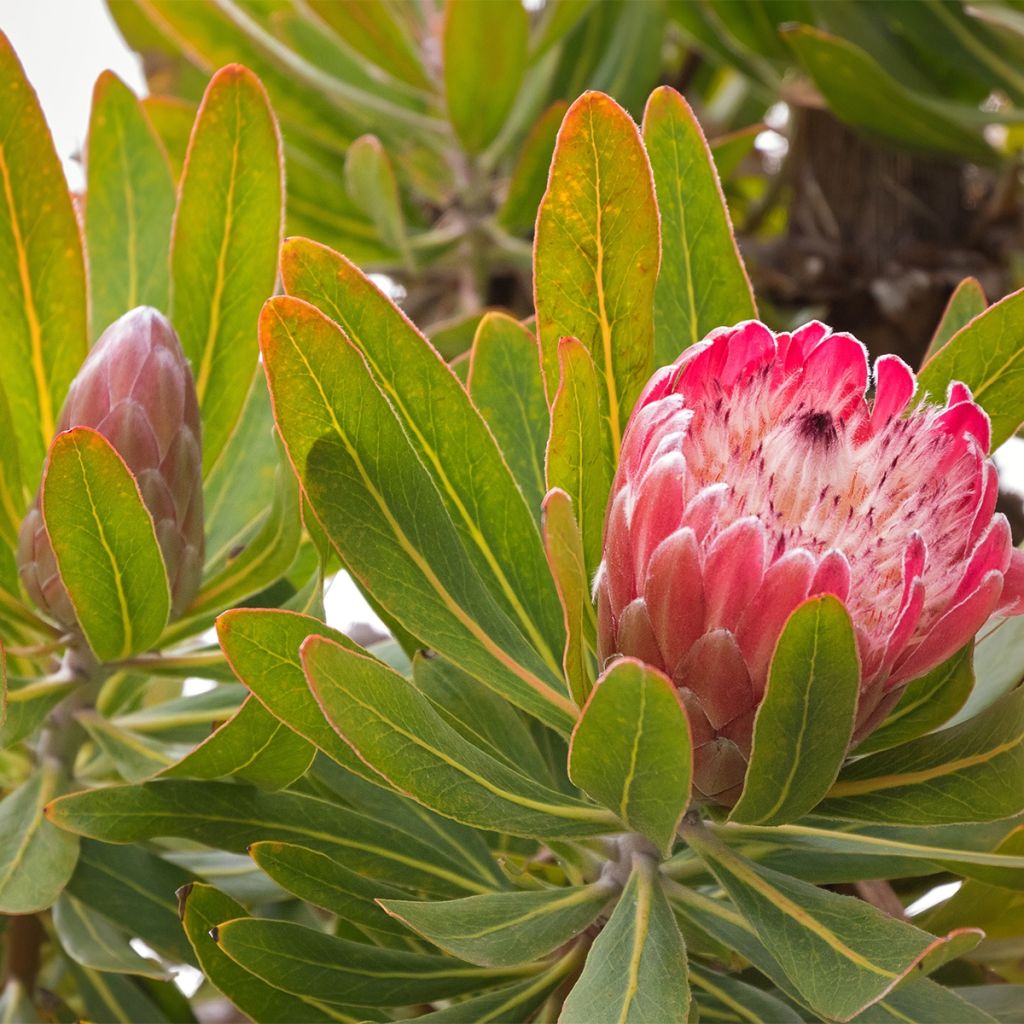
x=755, y=473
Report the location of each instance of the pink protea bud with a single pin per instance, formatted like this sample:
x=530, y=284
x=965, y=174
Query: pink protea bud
x=755, y=473
x=136, y=389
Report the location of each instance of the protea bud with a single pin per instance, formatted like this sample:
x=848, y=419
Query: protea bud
x=755, y=473
x=136, y=389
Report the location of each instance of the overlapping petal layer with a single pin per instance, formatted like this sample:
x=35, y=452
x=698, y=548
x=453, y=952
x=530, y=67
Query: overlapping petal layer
x=761, y=469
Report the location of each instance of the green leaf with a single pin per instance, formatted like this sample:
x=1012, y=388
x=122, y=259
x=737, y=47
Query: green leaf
x=503, y=929
x=596, y=255
x=926, y=703
x=106, y=547
x=722, y=997
x=924, y=1000
x=236, y=488
x=703, y=283
x=987, y=355
x=134, y=889
x=860, y=92
x=479, y=714
x=384, y=515
x=42, y=306
x=484, y=49
x=969, y=772
x=501, y=1005
x=1001, y=1002
x=265, y=558
x=321, y=881
x=631, y=750
x=12, y=497
x=394, y=729
x=129, y=204
x=998, y=665
x=109, y=997
x=564, y=547
x=580, y=460
x=202, y=908
x=447, y=432
x=804, y=723
x=454, y=843
x=227, y=231
x=370, y=182
x=375, y=29
x=505, y=384
x=134, y=756
x=92, y=941
x=984, y=902
x=636, y=969
x=840, y=953
x=518, y=214
x=36, y=859
x=252, y=745
x=967, y=301
x=23, y=708
x=262, y=647
x=333, y=970
x=230, y=817
x=892, y=846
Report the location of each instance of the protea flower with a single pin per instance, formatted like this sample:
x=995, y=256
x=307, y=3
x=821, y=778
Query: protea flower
x=136, y=389
x=754, y=473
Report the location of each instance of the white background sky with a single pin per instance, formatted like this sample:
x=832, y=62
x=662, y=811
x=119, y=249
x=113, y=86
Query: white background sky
x=64, y=45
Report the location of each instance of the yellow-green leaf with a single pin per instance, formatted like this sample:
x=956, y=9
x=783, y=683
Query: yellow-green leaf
x=485, y=48
x=580, y=460
x=804, y=723
x=128, y=207
x=371, y=184
x=636, y=971
x=382, y=511
x=36, y=859
x=564, y=547
x=393, y=728
x=43, y=303
x=227, y=231
x=107, y=551
x=986, y=354
x=841, y=954
x=596, y=254
x=967, y=301
x=702, y=284
x=631, y=750
x=969, y=772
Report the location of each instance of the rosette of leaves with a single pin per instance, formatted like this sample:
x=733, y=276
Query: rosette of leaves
x=469, y=821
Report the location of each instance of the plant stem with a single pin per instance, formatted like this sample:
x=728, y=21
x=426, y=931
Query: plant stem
x=24, y=937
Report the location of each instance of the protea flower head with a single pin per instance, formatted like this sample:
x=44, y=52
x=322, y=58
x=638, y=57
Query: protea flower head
x=755, y=472
x=136, y=389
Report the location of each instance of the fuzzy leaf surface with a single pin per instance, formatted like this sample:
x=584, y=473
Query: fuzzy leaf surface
x=394, y=729
x=631, y=750
x=106, y=547
x=227, y=231
x=803, y=724
x=702, y=283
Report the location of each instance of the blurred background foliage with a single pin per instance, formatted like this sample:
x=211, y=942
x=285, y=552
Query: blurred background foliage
x=869, y=150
